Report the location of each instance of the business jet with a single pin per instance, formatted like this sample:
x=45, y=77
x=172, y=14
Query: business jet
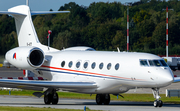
x=80, y=69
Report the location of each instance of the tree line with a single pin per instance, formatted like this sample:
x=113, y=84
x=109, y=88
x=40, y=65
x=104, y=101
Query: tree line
x=103, y=26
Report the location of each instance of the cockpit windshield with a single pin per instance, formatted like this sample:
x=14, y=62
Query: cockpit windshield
x=163, y=63
x=156, y=63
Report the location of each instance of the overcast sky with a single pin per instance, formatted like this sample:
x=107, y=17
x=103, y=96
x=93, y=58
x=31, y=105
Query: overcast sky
x=46, y=5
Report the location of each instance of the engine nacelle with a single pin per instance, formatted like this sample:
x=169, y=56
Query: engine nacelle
x=26, y=57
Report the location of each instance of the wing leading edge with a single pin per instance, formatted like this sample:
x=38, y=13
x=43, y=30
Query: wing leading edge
x=176, y=79
x=40, y=85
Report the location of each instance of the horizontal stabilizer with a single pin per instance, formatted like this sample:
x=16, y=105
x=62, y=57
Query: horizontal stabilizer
x=11, y=13
x=47, y=12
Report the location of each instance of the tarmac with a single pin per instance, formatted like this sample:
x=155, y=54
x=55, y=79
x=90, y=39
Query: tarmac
x=25, y=101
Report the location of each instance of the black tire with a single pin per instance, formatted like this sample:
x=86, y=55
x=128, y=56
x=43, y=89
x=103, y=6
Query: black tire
x=156, y=103
x=55, y=98
x=160, y=103
x=99, y=99
x=106, y=99
x=48, y=99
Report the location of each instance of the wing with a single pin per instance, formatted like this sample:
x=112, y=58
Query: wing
x=40, y=85
x=176, y=79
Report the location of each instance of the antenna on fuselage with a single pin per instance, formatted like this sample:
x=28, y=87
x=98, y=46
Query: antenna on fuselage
x=27, y=2
x=118, y=49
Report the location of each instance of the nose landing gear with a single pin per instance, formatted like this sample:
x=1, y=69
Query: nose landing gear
x=157, y=102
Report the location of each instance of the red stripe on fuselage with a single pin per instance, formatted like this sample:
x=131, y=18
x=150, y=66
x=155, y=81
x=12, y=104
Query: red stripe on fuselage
x=87, y=72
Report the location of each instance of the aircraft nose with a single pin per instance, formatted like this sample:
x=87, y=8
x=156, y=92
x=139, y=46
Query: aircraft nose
x=166, y=78
x=169, y=78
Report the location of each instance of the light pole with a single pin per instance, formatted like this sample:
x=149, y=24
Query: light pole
x=167, y=30
x=49, y=33
x=128, y=4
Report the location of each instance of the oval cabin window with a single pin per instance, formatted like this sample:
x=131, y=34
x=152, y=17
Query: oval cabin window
x=85, y=65
x=117, y=66
x=78, y=64
x=62, y=63
x=70, y=64
x=93, y=65
x=101, y=65
x=109, y=66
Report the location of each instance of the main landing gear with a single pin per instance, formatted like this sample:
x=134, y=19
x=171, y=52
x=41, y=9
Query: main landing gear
x=157, y=102
x=102, y=98
x=51, y=97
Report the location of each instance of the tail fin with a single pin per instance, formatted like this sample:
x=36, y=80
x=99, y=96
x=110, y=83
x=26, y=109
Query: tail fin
x=27, y=35
x=24, y=26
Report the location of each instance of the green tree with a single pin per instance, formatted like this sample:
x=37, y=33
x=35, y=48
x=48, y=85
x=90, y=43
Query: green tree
x=8, y=42
x=39, y=21
x=42, y=34
x=140, y=16
x=119, y=41
x=63, y=40
x=159, y=35
x=145, y=28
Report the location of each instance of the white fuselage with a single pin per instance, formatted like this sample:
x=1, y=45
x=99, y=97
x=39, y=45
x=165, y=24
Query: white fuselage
x=64, y=66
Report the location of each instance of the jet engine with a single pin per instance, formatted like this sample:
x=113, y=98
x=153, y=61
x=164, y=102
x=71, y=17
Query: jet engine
x=26, y=57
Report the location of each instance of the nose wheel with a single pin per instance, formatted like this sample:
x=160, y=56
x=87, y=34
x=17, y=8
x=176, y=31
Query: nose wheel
x=157, y=102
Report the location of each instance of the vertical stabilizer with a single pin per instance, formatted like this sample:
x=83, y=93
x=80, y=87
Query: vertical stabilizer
x=25, y=29
x=26, y=33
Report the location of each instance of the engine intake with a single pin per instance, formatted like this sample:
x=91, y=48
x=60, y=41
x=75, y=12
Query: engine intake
x=36, y=57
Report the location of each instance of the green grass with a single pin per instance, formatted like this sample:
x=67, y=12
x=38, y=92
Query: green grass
x=127, y=97
x=8, y=108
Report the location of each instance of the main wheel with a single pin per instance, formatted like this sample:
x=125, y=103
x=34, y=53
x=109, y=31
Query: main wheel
x=160, y=103
x=48, y=99
x=99, y=99
x=106, y=99
x=156, y=103
x=55, y=98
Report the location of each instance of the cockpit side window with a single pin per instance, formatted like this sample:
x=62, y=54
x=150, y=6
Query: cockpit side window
x=163, y=63
x=144, y=63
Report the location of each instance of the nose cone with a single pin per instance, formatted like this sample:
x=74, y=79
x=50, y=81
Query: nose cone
x=168, y=79
x=165, y=79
